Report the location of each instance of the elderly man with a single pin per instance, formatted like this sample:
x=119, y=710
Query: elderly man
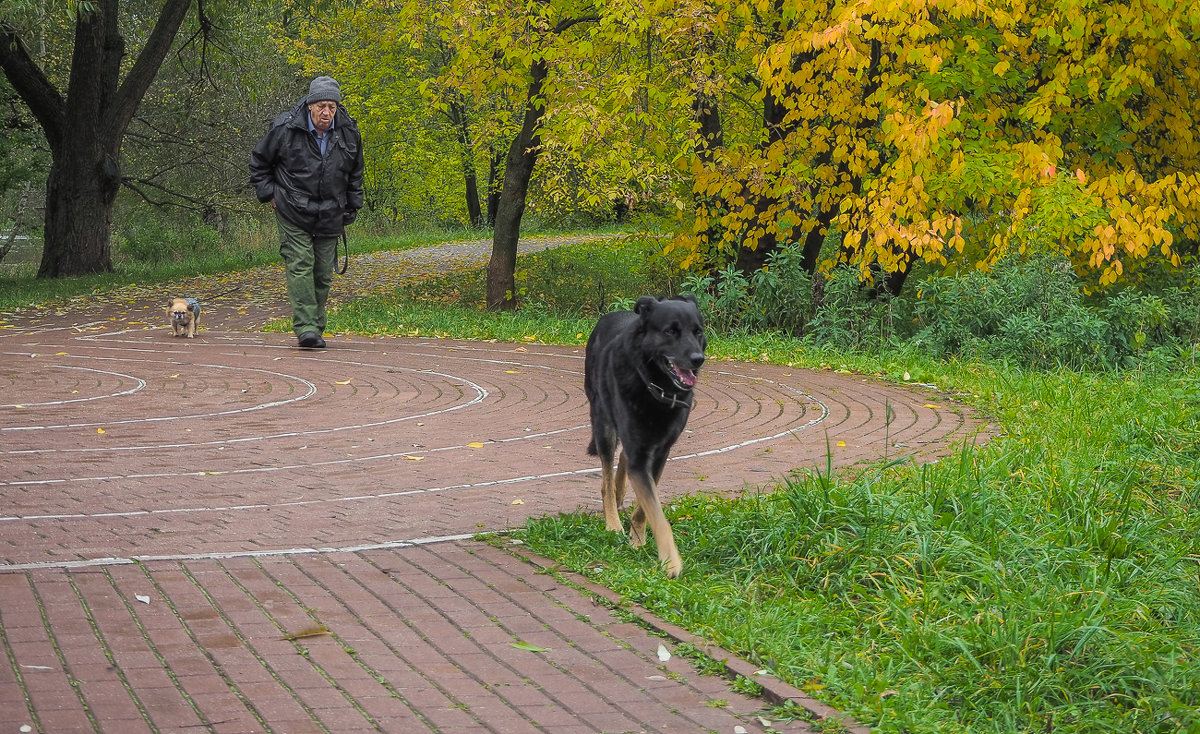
x=309, y=166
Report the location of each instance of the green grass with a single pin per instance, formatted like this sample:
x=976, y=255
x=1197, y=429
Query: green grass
x=1044, y=582
x=1047, y=581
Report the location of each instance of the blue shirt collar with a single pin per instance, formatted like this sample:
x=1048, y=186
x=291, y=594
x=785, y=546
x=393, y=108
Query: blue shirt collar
x=312, y=128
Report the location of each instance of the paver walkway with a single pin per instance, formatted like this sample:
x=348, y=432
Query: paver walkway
x=227, y=534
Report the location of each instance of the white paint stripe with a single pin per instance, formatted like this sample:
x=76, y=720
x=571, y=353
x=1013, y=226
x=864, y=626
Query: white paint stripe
x=94, y=562
x=312, y=390
x=140, y=384
x=366, y=497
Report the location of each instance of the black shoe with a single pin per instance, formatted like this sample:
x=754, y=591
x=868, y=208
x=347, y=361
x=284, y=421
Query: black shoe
x=311, y=340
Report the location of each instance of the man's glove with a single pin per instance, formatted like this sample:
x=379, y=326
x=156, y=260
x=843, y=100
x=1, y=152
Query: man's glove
x=349, y=216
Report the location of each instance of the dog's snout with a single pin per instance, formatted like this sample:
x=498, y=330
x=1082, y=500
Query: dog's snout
x=697, y=359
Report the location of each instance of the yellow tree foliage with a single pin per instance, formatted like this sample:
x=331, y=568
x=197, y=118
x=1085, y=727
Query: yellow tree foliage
x=913, y=128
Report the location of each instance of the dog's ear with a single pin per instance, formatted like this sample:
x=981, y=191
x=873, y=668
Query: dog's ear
x=191, y=307
x=644, y=305
x=689, y=298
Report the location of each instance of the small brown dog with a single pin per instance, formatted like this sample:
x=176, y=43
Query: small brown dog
x=184, y=314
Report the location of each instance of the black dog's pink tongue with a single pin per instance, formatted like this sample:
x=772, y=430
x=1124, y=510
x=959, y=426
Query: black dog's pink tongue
x=687, y=377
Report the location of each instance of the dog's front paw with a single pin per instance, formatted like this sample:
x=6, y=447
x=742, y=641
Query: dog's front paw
x=673, y=567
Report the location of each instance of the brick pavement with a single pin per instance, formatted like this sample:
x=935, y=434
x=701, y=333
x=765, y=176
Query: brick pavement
x=173, y=511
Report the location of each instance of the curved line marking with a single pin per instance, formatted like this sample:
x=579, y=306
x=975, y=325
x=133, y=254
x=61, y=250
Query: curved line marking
x=140, y=384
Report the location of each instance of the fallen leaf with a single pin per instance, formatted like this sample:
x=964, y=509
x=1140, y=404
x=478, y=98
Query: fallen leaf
x=528, y=646
x=37, y=667
x=99, y=430
x=319, y=629
x=414, y=458
x=475, y=445
x=343, y=382
x=931, y=405
x=663, y=654
x=739, y=729
x=518, y=349
x=518, y=502
x=60, y=354
x=511, y=372
x=142, y=598
x=841, y=443
x=656, y=677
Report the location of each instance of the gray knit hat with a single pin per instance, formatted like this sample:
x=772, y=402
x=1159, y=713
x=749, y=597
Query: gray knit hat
x=323, y=88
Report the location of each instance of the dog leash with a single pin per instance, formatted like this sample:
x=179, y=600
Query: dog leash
x=345, y=254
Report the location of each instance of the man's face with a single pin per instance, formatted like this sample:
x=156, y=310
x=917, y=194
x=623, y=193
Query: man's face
x=322, y=114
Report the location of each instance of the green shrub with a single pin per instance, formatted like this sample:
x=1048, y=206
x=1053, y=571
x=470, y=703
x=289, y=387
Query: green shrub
x=721, y=297
x=847, y=317
x=781, y=294
x=1034, y=311
x=157, y=240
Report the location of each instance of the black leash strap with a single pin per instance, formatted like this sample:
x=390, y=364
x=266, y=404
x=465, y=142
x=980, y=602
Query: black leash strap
x=345, y=255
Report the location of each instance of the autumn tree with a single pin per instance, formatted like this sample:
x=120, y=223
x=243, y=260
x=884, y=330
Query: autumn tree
x=187, y=146
x=911, y=128
x=84, y=121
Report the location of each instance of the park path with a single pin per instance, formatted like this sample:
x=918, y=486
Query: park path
x=228, y=534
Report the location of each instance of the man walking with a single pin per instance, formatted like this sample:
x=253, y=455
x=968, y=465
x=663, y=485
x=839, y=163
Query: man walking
x=309, y=166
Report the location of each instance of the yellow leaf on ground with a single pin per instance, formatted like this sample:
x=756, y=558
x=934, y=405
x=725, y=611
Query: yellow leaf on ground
x=320, y=629
x=475, y=445
x=99, y=430
x=841, y=443
x=343, y=382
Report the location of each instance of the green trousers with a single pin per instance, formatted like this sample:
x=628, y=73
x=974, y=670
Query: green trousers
x=308, y=263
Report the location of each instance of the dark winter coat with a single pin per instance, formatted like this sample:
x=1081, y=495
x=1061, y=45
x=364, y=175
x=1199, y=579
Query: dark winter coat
x=319, y=194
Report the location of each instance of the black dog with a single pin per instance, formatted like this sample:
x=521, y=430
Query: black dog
x=639, y=371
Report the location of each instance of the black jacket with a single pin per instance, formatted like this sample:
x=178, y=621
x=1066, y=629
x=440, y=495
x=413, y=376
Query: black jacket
x=310, y=190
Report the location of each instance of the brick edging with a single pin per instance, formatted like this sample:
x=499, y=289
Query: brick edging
x=775, y=691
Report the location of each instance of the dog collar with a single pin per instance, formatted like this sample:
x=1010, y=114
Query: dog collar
x=660, y=394
x=671, y=400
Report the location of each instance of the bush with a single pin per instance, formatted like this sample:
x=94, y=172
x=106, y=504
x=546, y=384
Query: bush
x=781, y=294
x=157, y=240
x=848, y=317
x=1034, y=311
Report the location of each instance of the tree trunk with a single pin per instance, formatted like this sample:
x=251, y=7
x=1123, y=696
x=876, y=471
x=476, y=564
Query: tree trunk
x=458, y=116
x=84, y=128
x=80, y=192
x=493, y=191
x=522, y=155
x=752, y=259
x=710, y=138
